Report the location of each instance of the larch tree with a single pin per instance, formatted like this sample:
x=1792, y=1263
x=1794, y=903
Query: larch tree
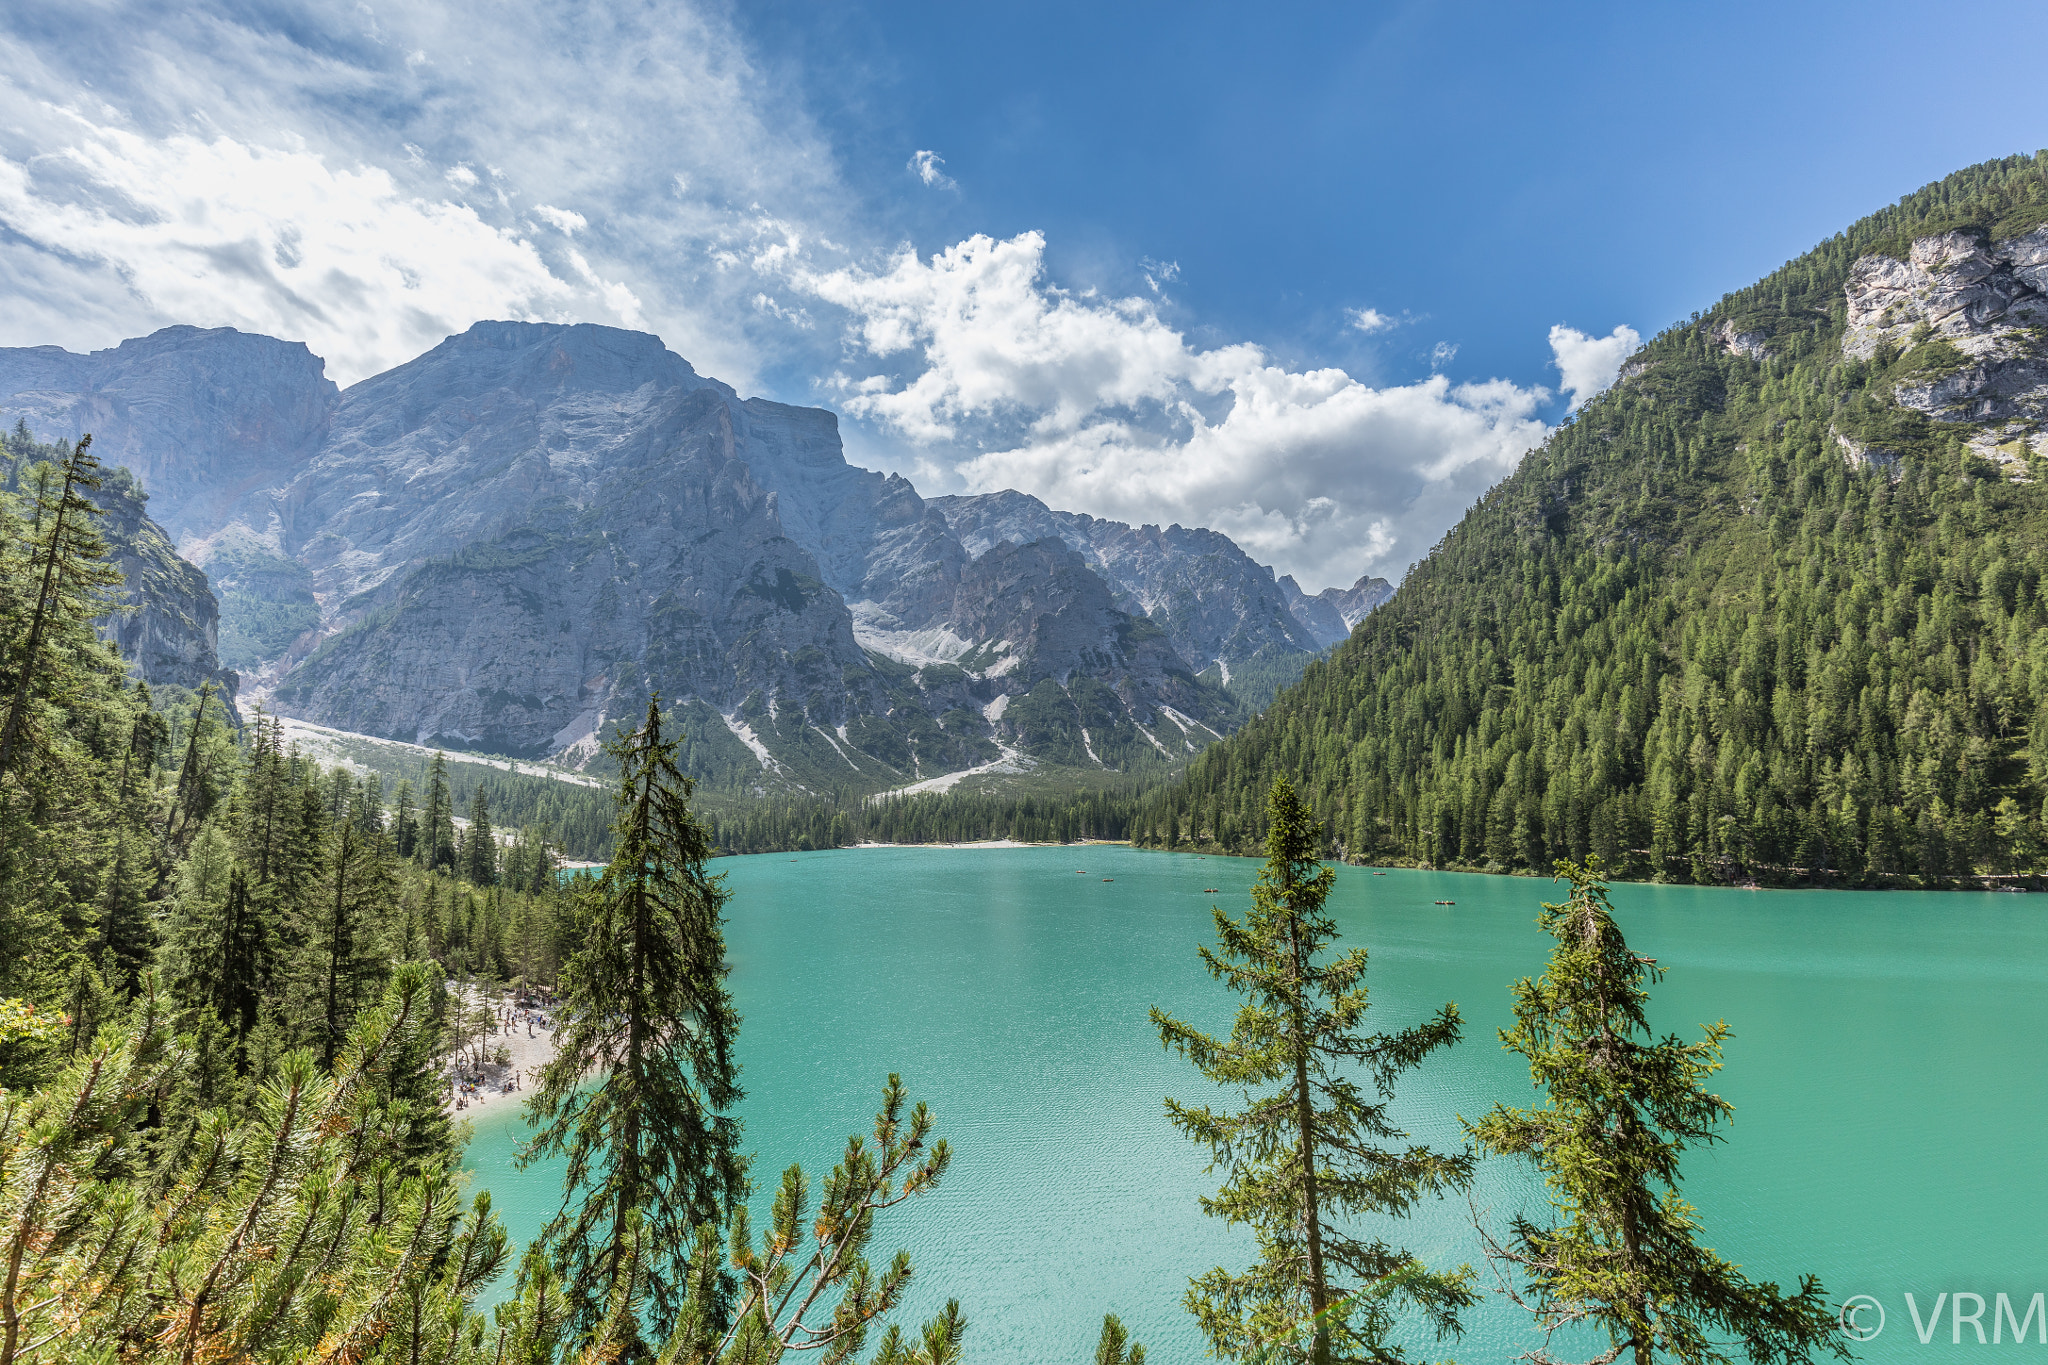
x=640, y=1092
x=1620, y=1251
x=1312, y=1150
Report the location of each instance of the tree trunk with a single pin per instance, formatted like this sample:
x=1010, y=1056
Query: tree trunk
x=334, y=949
x=1304, y=1113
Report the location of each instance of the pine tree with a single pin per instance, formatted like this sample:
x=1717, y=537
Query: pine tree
x=808, y=1263
x=344, y=957
x=482, y=866
x=437, y=825
x=646, y=1011
x=68, y=561
x=1303, y=1156
x=405, y=824
x=1621, y=1251
x=1111, y=1348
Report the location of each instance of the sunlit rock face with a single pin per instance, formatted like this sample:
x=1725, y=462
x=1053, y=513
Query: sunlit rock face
x=1988, y=300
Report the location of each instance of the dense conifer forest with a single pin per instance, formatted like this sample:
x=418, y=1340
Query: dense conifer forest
x=1692, y=637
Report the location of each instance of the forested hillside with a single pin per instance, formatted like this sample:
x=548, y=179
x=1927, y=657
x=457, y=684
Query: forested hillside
x=1771, y=608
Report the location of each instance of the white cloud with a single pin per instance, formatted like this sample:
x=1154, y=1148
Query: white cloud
x=1097, y=404
x=925, y=166
x=1589, y=364
x=421, y=155
x=1442, y=354
x=567, y=221
x=222, y=233
x=1371, y=320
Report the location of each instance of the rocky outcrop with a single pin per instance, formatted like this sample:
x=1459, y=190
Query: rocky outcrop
x=166, y=620
x=168, y=625
x=1751, y=345
x=1860, y=455
x=205, y=418
x=1979, y=308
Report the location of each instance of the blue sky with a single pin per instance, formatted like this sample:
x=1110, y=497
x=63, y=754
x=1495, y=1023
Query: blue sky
x=1314, y=275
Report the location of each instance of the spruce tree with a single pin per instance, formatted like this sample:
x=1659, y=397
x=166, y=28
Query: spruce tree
x=482, y=868
x=405, y=824
x=193, y=799
x=437, y=825
x=72, y=576
x=646, y=1013
x=344, y=961
x=1306, y=1155
x=1621, y=1249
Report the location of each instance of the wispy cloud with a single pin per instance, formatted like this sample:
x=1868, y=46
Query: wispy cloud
x=437, y=130
x=362, y=181
x=1372, y=320
x=925, y=166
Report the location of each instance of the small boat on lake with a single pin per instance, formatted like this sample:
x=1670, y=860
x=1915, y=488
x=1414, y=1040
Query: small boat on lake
x=1446, y=902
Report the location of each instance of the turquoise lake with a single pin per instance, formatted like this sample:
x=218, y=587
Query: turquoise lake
x=1889, y=1069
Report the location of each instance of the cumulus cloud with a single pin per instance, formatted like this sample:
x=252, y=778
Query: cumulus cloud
x=925, y=166
x=1589, y=364
x=1371, y=320
x=1098, y=404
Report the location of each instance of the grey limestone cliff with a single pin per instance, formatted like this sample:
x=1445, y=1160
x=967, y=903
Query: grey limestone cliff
x=511, y=541
x=1974, y=313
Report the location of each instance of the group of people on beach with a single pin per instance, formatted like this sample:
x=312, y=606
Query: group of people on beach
x=532, y=1011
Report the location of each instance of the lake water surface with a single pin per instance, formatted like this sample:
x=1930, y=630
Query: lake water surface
x=1889, y=1070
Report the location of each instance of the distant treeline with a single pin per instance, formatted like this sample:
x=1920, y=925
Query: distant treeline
x=775, y=826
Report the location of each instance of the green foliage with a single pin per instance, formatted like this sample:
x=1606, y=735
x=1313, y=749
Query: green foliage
x=1111, y=1348
x=646, y=1009
x=291, y=1235
x=805, y=1258
x=1620, y=1107
x=1305, y=1156
x=1690, y=637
